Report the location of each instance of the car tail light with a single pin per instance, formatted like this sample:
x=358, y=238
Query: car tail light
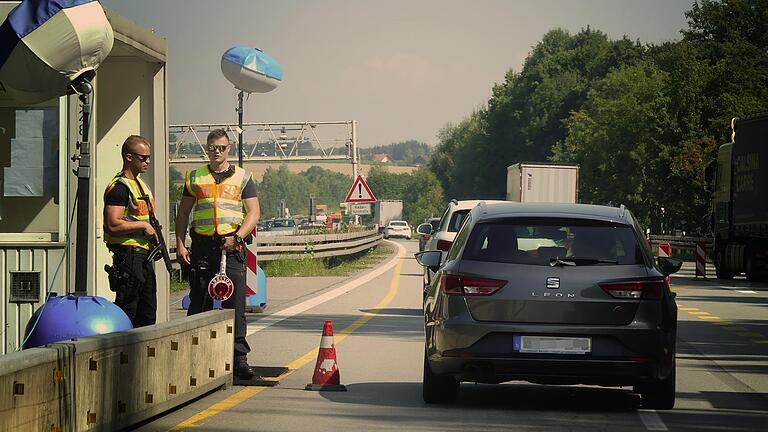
x=469, y=286
x=647, y=289
x=427, y=237
x=444, y=245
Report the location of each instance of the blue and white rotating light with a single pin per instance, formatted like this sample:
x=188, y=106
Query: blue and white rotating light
x=251, y=70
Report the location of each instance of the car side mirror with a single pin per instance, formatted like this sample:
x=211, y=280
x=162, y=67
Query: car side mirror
x=669, y=265
x=430, y=259
x=424, y=229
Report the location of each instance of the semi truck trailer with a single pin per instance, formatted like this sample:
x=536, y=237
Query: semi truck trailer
x=740, y=201
x=543, y=182
x=387, y=210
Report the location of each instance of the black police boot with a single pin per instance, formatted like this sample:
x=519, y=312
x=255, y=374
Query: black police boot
x=242, y=370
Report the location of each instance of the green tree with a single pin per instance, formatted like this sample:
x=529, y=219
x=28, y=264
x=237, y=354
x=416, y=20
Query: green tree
x=617, y=139
x=278, y=184
x=422, y=197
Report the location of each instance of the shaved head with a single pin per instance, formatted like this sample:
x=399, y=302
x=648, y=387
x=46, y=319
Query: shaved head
x=133, y=144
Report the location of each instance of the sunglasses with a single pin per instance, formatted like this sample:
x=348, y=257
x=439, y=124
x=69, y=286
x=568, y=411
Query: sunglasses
x=142, y=157
x=214, y=148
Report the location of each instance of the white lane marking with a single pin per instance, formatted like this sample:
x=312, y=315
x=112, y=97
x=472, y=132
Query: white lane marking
x=294, y=310
x=747, y=291
x=651, y=420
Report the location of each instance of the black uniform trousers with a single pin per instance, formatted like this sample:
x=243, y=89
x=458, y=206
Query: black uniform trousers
x=206, y=260
x=134, y=284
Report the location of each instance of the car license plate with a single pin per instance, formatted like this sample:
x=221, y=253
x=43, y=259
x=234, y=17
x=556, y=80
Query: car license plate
x=552, y=345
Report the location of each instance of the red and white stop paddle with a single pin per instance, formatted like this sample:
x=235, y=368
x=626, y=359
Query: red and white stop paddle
x=221, y=287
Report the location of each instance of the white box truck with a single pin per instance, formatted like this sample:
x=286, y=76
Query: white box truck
x=387, y=210
x=543, y=182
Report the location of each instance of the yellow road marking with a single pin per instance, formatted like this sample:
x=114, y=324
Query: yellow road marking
x=300, y=362
x=218, y=407
x=699, y=313
x=709, y=317
x=688, y=309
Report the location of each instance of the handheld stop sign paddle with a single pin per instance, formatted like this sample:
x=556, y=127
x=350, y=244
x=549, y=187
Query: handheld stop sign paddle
x=221, y=287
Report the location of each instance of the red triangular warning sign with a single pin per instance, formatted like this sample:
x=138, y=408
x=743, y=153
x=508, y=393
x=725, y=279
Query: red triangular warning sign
x=360, y=192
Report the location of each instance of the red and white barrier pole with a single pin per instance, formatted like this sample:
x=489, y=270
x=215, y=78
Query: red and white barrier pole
x=665, y=250
x=701, y=260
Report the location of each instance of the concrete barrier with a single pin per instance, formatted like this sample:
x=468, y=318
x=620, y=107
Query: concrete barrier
x=113, y=381
x=32, y=391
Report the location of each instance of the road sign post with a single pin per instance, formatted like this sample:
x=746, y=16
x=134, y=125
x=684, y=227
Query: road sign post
x=360, y=192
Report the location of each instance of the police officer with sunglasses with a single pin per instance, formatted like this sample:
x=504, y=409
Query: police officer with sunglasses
x=129, y=235
x=225, y=209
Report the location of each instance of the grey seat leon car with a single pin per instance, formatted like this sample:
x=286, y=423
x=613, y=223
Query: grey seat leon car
x=550, y=294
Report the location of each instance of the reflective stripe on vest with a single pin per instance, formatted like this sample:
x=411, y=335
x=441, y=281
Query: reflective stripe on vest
x=137, y=210
x=218, y=207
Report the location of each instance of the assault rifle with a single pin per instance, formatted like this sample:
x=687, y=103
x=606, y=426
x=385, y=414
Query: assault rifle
x=160, y=246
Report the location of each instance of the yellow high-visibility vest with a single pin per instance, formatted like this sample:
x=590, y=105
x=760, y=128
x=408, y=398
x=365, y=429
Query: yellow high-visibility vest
x=137, y=210
x=218, y=206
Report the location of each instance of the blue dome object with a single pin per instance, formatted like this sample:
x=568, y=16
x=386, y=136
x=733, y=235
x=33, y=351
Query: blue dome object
x=251, y=70
x=63, y=318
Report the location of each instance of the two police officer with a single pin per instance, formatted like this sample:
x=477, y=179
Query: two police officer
x=225, y=208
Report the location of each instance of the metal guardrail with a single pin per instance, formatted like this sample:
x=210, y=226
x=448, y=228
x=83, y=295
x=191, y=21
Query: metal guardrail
x=680, y=242
x=273, y=246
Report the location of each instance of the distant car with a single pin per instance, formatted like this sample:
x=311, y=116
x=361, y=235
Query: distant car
x=283, y=224
x=397, y=228
x=442, y=237
x=424, y=235
x=552, y=294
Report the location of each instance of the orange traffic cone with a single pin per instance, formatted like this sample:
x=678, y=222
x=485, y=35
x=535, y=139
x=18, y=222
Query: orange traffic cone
x=326, y=375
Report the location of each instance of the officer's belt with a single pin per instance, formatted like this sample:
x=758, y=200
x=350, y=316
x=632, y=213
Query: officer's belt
x=128, y=250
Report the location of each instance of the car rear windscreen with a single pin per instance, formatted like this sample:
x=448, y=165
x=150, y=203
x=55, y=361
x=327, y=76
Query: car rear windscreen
x=457, y=219
x=545, y=241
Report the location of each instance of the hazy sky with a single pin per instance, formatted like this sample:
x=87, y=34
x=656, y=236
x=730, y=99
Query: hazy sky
x=402, y=69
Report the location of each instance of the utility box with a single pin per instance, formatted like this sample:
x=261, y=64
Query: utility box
x=540, y=182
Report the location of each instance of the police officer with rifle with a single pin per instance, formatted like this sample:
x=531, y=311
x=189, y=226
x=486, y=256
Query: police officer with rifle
x=133, y=235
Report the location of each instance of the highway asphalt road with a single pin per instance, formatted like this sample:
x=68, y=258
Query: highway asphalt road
x=722, y=379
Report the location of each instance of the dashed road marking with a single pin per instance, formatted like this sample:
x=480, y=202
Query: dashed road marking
x=248, y=392
x=747, y=291
x=651, y=420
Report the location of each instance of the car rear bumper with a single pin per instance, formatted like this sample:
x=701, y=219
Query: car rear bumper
x=545, y=370
x=398, y=234
x=619, y=355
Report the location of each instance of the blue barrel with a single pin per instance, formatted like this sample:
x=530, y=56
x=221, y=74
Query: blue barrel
x=63, y=318
x=185, y=302
x=258, y=301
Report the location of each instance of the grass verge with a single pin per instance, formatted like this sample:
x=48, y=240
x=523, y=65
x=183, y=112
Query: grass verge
x=331, y=266
x=177, y=284
x=307, y=267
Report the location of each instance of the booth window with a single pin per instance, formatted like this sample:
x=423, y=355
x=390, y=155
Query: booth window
x=29, y=172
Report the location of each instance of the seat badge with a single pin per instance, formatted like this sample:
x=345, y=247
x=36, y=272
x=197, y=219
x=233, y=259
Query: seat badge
x=553, y=283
